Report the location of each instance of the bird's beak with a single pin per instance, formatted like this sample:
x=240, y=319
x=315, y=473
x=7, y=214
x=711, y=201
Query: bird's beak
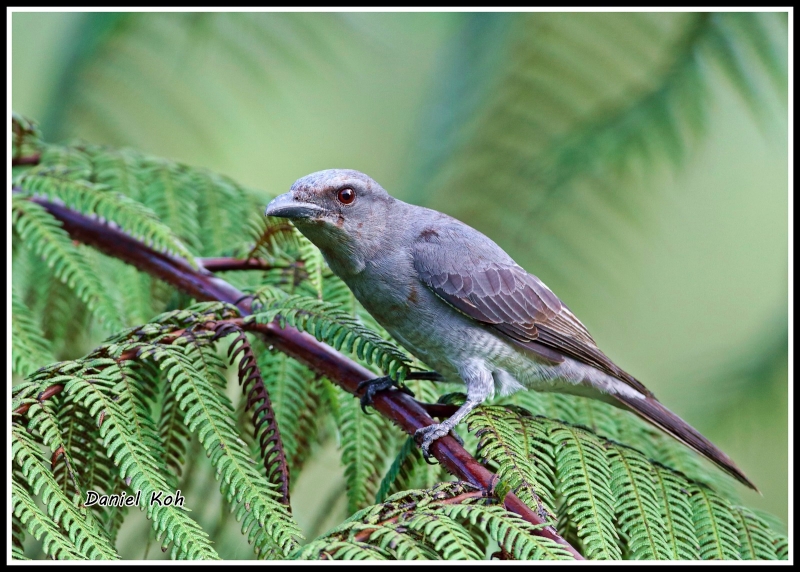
x=285, y=206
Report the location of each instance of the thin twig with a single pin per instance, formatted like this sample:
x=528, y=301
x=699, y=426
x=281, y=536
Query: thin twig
x=222, y=264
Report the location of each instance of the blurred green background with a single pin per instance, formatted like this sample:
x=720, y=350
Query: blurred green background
x=637, y=163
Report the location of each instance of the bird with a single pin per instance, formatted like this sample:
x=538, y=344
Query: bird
x=458, y=302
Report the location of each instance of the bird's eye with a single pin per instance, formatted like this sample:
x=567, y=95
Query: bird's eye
x=346, y=196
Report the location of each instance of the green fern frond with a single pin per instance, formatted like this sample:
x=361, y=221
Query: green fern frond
x=144, y=473
x=602, y=418
x=583, y=478
x=26, y=137
x=295, y=396
x=677, y=513
x=101, y=475
x=638, y=507
x=522, y=453
x=340, y=550
x=58, y=182
x=409, y=470
x=271, y=238
x=513, y=534
x=450, y=521
x=137, y=466
x=17, y=526
x=136, y=395
x=175, y=436
x=140, y=295
x=84, y=536
x=365, y=451
x=715, y=525
x=552, y=405
x=659, y=513
x=80, y=439
x=331, y=325
x=62, y=316
x=209, y=413
x=673, y=454
x=43, y=235
x=777, y=531
x=313, y=263
x=118, y=169
x=29, y=349
x=55, y=542
x=390, y=482
x=210, y=201
x=222, y=206
x=756, y=540
x=84, y=462
x=781, y=544
x=168, y=190
x=546, y=110
x=624, y=427
x=448, y=539
x=69, y=161
x=256, y=52
x=43, y=417
x=736, y=40
x=385, y=529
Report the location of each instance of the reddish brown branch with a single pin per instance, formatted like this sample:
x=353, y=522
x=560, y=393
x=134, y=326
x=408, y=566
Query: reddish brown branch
x=26, y=160
x=440, y=410
x=324, y=360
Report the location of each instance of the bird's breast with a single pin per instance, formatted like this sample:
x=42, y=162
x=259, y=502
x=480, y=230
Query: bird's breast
x=420, y=321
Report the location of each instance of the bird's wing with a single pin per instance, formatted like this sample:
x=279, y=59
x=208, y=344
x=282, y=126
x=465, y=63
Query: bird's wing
x=475, y=276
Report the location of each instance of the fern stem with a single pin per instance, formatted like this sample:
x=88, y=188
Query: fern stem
x=324, y=360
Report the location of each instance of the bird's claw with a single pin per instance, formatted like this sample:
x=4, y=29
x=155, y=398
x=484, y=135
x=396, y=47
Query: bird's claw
x=425, y=436
x=374, y=386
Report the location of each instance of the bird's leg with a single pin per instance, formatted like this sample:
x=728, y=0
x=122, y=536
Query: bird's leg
x=378, y=384
x=479, y=387
x=427, y=435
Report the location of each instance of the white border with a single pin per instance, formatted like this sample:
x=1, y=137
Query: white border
x=790, y=10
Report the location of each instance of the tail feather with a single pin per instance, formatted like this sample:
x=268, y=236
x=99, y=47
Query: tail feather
x=649, y=409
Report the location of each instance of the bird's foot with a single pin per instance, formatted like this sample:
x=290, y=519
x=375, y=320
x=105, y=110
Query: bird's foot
x=427, y=435
x=373, y=386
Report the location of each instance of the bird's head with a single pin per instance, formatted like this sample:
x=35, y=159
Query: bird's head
x=343, y=212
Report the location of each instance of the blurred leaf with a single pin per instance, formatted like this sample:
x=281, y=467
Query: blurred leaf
x=153, y=66
x=569, y=102
x=748, y=373
x=94, y=29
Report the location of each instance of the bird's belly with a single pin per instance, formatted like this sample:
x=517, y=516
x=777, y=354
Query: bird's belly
x=421, y=333
x=436, y=333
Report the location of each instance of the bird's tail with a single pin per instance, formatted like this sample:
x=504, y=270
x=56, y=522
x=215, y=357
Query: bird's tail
x=649, y=409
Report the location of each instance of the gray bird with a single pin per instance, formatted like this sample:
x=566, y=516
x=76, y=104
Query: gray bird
x=458, y=302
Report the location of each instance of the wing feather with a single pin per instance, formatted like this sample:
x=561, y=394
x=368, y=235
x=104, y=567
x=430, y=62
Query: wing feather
x=475, y=276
